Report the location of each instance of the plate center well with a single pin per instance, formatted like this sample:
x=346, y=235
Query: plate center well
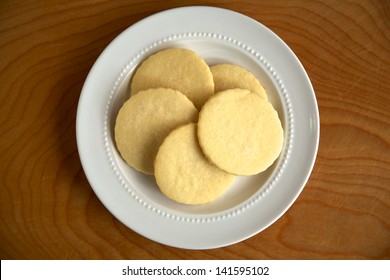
x=214, y=49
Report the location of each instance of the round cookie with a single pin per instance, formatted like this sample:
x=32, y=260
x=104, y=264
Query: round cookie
x=240, y=132
x=229, y=76
x=179, y=69
x=145, y=120
x=183, y=173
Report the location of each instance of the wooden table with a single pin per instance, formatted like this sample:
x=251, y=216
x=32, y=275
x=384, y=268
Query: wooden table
x=49, y=211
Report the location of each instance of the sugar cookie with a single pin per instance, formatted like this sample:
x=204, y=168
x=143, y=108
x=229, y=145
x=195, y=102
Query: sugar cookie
x=145, y=120
x=179, y=69
x=183, y=173
x=240, y=132
x=230, y=76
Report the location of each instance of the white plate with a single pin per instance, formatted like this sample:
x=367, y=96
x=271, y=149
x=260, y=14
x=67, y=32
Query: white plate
x=252, y=203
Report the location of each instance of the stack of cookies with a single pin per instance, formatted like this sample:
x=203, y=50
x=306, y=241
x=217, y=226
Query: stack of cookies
x=195, y=127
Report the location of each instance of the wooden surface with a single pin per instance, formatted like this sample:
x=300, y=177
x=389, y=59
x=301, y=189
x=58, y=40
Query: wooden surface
x=49, y=211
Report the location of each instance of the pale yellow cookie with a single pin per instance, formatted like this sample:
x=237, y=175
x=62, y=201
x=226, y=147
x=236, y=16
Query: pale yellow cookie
x=179, y=69
x=229, y=76
x=183, y=173
x=240, y=132
x=145, y=120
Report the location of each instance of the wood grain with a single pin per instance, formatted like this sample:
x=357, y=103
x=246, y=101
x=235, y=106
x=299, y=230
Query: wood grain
x=49, y=211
